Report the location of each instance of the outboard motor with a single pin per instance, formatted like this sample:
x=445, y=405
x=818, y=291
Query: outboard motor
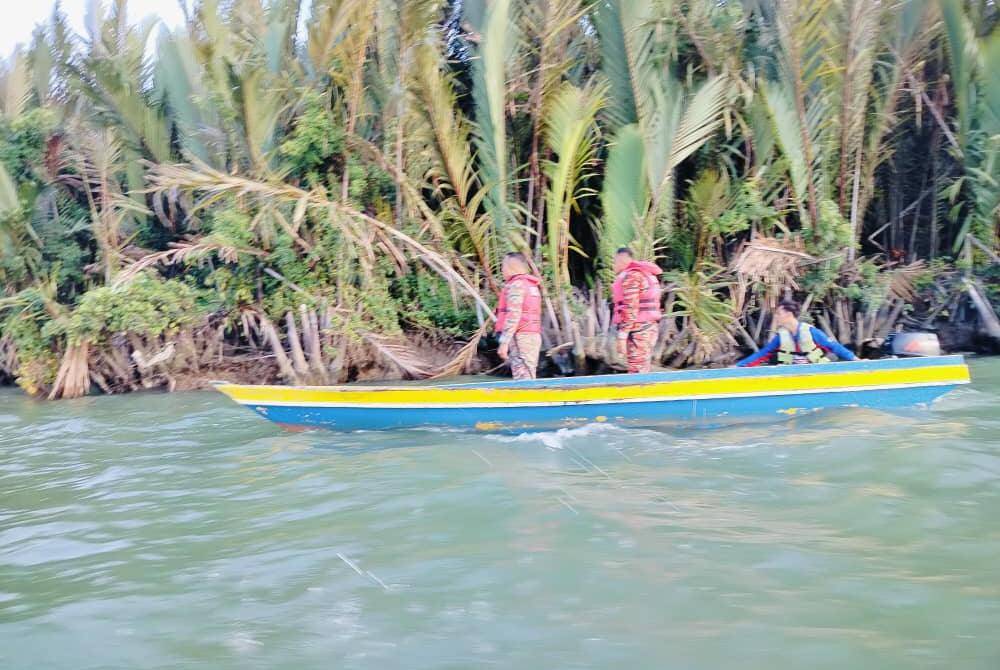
x=562, y=357
x=911, y=344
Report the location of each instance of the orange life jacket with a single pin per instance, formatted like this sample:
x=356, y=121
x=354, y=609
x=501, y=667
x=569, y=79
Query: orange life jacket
x=531, y=307
x=649, y=299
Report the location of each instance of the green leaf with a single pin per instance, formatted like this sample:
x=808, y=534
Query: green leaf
x=625, y=194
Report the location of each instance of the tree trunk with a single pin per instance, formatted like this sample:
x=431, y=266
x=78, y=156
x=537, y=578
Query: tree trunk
x=270, y=334
x=295, y=345
x=934, y=241
x=991, y=325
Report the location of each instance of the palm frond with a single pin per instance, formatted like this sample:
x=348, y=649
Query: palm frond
x=615, y=62
x=681, y=130
x=701, y=118
x=15, y=85
x=854, y=51
x=43, y=65
x=964, y=59
x=773, y=262
x=789, y=133
x=489, y=87
x=709, y=318
x=459, y=364
x=570, y=133
x=9, y=200
x=624, y=196
x=213, y=185
x=445, y=134
x=973, y=62
x=801, y=95
x=328, y=23
x=400, y=354
x=179, y=77
x=908, y=33
x=187, y=252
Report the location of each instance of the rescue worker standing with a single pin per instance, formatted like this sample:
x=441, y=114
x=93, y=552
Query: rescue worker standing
x=519, y=317
x=637, y=313
x=796, y=342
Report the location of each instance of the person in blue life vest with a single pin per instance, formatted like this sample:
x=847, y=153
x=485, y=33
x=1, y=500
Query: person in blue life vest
x=796, y=342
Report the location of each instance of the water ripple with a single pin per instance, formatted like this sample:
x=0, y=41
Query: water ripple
x=163, y=531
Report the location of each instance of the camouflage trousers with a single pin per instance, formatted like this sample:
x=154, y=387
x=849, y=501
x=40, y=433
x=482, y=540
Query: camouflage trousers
x=523, y=355
x=639, y=348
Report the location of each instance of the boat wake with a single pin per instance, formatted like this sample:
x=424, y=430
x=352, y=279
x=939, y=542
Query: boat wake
x=965, y=398
x=563, y=437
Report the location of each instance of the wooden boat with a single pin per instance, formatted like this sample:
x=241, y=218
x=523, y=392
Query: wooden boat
x=643, y=400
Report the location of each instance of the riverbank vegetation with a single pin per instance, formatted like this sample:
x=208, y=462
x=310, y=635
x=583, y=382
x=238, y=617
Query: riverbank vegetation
x=321, y=192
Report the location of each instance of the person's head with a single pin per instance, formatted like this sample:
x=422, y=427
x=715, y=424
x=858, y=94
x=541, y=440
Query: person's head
x=787, y=314
x=623, y=257
x=514, y=264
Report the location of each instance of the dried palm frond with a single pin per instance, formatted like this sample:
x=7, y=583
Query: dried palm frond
x=773, y=261
x=901, y=280
x=400, y=354
x=460, y=363
x=188, y=251
x=145, y=362
x=214, y=185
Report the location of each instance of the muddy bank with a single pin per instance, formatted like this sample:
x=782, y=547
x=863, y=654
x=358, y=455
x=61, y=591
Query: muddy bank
x=192, y=360
x=408, y=357
x=318, y=346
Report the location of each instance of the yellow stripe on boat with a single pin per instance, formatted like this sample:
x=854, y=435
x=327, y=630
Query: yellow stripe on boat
x=611, y=392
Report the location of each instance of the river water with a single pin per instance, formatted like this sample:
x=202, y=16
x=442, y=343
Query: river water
x=180, y=531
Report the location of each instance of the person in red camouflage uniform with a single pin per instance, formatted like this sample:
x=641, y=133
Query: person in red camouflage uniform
x=637, y=313
x=519, y=317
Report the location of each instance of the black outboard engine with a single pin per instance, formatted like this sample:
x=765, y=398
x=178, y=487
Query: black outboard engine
x=562, y=357
x=911, y=344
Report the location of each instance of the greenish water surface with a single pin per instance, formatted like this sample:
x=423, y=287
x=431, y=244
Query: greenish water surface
x=180, y=531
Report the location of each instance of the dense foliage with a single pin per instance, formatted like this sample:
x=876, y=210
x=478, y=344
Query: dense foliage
x=329, y=180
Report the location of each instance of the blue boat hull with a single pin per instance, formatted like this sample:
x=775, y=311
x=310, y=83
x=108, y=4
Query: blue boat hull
x=638, y=414
x=636, y=400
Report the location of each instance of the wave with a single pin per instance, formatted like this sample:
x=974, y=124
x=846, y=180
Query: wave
x=560, y=439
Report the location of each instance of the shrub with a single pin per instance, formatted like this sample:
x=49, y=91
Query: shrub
x=146, y=306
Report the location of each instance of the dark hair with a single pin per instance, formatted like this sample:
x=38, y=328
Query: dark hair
x=791, y=307
x=626, y=251
x=515, y=256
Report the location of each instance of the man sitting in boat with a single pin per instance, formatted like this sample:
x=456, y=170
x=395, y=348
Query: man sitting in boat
x=796, y=342
x=519, y=317
x=636, y=295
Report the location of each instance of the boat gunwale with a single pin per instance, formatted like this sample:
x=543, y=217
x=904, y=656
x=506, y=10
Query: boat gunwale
x=662, y=388
x=624, y=381
x=355, y=405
